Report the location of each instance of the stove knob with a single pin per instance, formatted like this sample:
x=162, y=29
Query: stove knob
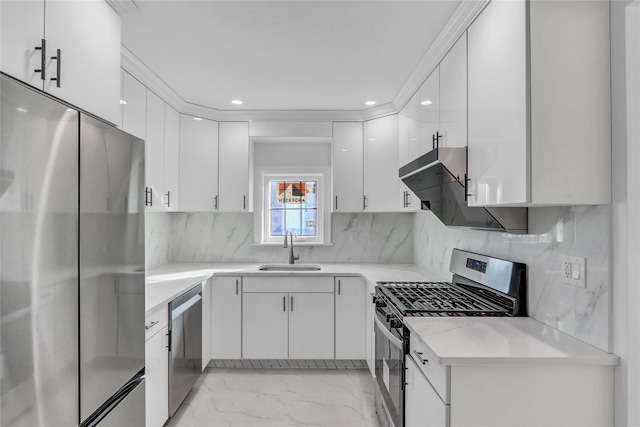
x=396, y=323
x=380, y=303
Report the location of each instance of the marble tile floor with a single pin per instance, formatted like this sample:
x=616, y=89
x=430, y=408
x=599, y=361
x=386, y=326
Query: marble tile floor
x=279, y=397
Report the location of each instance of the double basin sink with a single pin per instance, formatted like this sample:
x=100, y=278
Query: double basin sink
x=289, y=267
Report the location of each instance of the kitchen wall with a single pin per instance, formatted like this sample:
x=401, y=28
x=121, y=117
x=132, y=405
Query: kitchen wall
x=575, y=231
x=228, y=237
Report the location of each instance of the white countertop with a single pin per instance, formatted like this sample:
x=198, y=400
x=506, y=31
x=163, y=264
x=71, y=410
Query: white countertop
x=163, y=284
x=500, y=340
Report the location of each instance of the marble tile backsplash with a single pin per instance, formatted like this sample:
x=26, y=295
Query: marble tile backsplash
x=576, y=231
x=228, y=237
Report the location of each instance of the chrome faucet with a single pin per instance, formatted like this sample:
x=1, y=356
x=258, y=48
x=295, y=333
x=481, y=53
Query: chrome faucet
x=292, y=258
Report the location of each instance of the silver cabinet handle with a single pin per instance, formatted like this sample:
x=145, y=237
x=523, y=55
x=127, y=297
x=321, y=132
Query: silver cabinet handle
x=152, y=324
x=339, y=288
x=284, y=303
x=292, y=303
x=419, y=357
x=336, y=202
x=236, y=286
x=244, y=203
x=215, y=202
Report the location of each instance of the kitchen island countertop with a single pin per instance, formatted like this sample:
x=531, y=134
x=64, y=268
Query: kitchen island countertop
x=502, y=341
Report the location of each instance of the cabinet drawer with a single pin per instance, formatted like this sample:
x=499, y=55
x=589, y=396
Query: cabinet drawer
x=286, y=284
x=438, y=375
x=155, y=321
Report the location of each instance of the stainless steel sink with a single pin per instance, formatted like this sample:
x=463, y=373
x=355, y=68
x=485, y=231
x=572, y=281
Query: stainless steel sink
x=289, y=267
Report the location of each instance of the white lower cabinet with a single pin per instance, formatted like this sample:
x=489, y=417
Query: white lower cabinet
x=423, y=406
x=265, y=322
x=351, y=318
x=157, y=367
x=370, y=331
x=490, y=394
x=226, y=317
x=283, y=318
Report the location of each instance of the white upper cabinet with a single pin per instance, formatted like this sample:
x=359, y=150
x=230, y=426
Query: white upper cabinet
x=134, y=106
x=235, y=168
x=78, y=51
x=21, y=30
x=539, y=104
x=198, y=164
x=381, y=180
x=154, y=153
x=453, y=96
x=347, y=166
x=407, y=143
x=171, y=158
x=84, y=36
x=422, y=115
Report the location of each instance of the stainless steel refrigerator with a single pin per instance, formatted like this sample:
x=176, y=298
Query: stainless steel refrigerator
x=71, y=266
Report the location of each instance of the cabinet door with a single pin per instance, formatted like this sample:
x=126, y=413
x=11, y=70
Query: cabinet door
x=226, y=318
x=498, y=130
x=311, y=326
x=381, y=181
x=198, y=164
x=88, y=36
x=171, y=158
x=157, y=377
x=21, y=30
x=453, y=95
x=408, y=201
x=370, y=334
x=351, y=328
x=347, y=167
x=427, y=101
x=234, y=172
x=134, y=107
x=265, y=325
x=154, y=151
x=422, y=405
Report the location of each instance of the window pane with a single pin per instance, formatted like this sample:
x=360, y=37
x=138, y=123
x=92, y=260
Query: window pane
x=276, y=225
x=310, y=222
x=293, y=221
x=273, y=195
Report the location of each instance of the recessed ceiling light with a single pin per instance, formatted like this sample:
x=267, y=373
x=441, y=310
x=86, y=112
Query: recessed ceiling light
x=22, y=110
x=371, y=102
x=426, y=102
x=371, y=139
x=197, y=119
x=70, y=110
x=123, y=102
x=344, y=149
x=236, y=101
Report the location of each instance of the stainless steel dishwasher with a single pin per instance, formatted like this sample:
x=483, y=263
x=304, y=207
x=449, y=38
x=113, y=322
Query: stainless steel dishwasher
x=185, y=345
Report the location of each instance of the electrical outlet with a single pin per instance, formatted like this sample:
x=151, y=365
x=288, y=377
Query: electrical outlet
x=353, y=237
x=574, y=271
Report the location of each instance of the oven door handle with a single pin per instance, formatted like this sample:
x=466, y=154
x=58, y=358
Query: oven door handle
x=394, y=340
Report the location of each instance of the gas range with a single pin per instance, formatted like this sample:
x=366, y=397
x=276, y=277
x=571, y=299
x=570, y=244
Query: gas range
x=481, y=286
x=437, y=299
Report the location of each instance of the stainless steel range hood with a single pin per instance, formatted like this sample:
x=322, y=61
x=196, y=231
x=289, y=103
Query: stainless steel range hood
x=437, y=178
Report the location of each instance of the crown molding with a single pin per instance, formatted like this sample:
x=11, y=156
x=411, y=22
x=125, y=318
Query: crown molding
x=464, y=15
x=122, y=7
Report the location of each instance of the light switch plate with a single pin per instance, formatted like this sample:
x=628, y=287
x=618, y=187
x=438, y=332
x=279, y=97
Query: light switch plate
x=353, y=237
x=574, y=271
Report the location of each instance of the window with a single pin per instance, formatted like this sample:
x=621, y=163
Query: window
x=293, y=203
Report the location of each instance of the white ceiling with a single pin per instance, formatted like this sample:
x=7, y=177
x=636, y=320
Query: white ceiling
x=284, y=55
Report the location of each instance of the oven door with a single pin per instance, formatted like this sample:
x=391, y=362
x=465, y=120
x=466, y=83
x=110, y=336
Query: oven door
x=390, y=367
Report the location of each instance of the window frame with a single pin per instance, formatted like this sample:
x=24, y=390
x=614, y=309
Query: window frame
x=321, y=210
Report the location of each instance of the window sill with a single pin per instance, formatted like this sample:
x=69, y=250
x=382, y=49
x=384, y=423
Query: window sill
x=295, y=244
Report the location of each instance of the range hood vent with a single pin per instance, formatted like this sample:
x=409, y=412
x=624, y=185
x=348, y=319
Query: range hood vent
x=437, y=178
